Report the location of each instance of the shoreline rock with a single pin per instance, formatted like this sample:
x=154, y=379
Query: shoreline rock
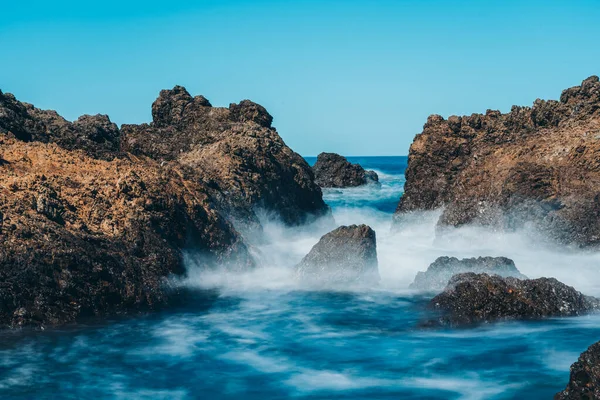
x=437, y=275
x=473, y=298
x=346, y=255
x=584, y=380
x=532, y=167
x=334, y=171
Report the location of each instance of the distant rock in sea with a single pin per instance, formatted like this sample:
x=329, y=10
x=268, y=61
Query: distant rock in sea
x=584, y=382
x=442, y=269
x=334, y=171
x=534, y=166
x=94, y=219
x=345, y=255
x=473, y=298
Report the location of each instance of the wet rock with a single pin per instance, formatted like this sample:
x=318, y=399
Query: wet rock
x=347, y=254
x=532, y=167
x=235, y=152
x=441, y=270
x=333, y=170
x=473, y=298
x=584, y=382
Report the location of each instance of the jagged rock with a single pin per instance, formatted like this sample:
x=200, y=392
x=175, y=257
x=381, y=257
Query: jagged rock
x=475, y=298
x=96, y=135
x=83, y=237
x=442, y=269
x=234, y=152
x=333, y=170
x=535, y=166
x=584, y=383
x=347, y=254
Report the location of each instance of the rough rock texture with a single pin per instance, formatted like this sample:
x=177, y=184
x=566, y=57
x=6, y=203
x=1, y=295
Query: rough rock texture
x=474, y=298
x=441, y=270
x=347, y=254
x=234, y=151
x=96, y=134
x=584, y=383
x=536, y=165
x=333, y=170
x=84, y=237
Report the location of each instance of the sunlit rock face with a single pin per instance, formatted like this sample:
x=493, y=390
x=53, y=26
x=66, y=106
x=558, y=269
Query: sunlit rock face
x=441, y=270
x=473, y=298
x=584, y=382
x=346, y=255
x=534, y=166
x=335, y=171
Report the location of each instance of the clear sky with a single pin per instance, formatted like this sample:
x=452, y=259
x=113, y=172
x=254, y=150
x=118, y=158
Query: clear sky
x=353, y=77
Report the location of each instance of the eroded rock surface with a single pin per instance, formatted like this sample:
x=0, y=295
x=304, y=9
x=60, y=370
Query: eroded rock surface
x=335, y=171
x=584, y=382
x=537, y=166
x=347, y=254
x=473, y=298
x=441, y=270
x=234, y=152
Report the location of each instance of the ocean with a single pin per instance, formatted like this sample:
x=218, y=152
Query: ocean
x=259, y=335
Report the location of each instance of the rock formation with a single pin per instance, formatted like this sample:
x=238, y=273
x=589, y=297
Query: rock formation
x=234, y=152
x=535, y=165
x=333, y=170
x=584, y=383
x=474, y=298
x=441, y=270
x=93, y=219
x=345, y=255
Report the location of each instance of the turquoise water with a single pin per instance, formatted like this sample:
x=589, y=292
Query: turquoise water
x=261, y=336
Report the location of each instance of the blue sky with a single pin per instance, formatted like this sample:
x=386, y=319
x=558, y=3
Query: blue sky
x=353, y=77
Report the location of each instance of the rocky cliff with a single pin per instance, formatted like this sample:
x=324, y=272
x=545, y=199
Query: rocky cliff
x=536, y=165
x=94, y=218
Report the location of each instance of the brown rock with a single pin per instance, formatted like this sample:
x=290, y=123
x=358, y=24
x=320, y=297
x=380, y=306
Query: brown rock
x=535, y=165
x=333, y=170
x=584, y=382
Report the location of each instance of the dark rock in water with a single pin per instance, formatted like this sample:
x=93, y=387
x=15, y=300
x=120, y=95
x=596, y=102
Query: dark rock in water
x=441, y=270
x=333, y=170
x=584, y=382
x=474, y=298
x=240, y=158
x=347, y=254
x=534, y=166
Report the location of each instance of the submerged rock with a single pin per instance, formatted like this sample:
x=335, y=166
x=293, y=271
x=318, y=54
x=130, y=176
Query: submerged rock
x=474, y=298
x=333, y=170
x=441, y=270
x=347, y=254
x=534, y=166
x=584, y=382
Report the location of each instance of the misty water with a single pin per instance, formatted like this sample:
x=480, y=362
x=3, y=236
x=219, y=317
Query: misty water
x=260, y=335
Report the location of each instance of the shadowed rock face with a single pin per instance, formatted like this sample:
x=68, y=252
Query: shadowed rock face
x=234, y=152
x=95, y=134
x=441, y=270
x=536, y=165
x=347, y=254
x=584, y=383
x=333, y=170
x=475, y=298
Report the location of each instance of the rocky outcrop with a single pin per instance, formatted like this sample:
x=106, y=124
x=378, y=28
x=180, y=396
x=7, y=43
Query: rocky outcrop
x=473, y=298
x=84, y=237
x=584, y=383
x=96, y=135
x=347, y=254
x=535, y=166
x=234, y=152
x=441, y=270
x=335, y=171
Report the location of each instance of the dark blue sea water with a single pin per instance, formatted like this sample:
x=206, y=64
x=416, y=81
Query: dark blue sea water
x=261, y=336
